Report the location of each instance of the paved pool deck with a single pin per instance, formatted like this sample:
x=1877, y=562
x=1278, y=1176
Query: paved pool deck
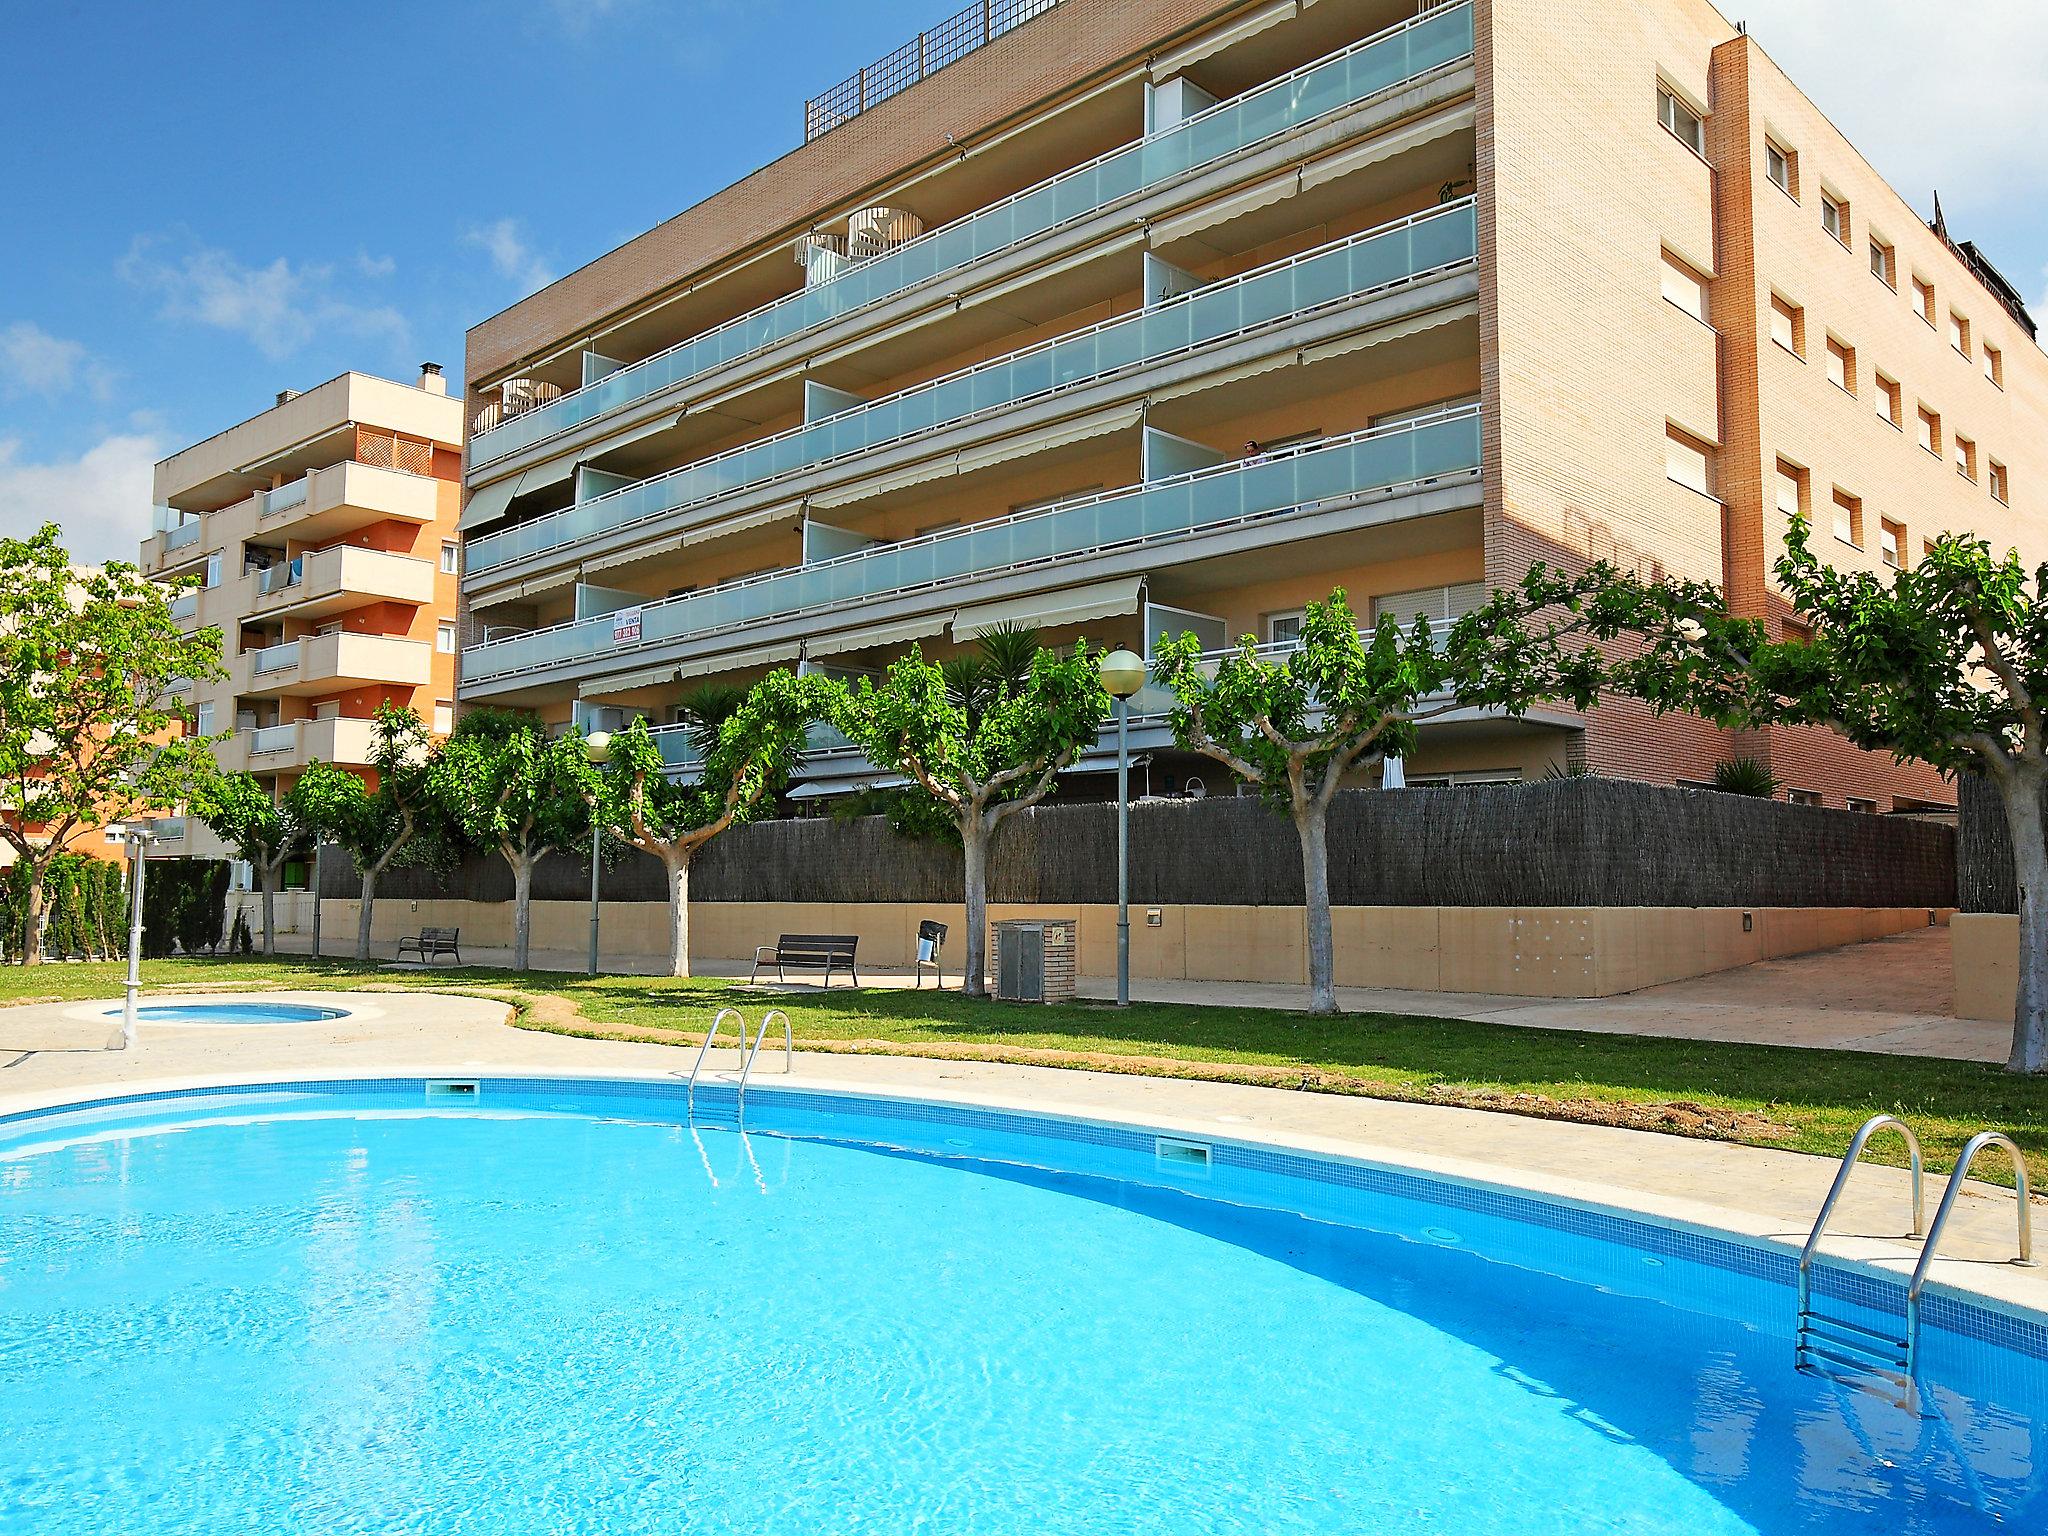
x=59, y=1053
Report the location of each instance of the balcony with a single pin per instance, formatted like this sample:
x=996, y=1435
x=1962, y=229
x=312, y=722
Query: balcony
x=339, y=578
x=1355, y=74
x=1266, y=500
x=1335, y=274
x=326, y=663
x=293, y=745
x=341, y=498
x=174, y=544
x=184, y=607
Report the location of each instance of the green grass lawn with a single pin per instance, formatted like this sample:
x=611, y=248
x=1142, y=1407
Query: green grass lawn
x=1807, y=1100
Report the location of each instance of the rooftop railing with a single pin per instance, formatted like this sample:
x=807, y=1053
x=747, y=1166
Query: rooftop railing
x=954, y=38
x=1202, y=502
x=1341, y=271
x=1345, y=78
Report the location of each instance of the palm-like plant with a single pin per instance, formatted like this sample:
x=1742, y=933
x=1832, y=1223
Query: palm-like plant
x=705, y=709
x=1746, y=776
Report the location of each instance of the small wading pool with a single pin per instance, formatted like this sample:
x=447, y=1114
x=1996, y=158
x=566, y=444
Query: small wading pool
x=228, y=1014
x=513, y=1306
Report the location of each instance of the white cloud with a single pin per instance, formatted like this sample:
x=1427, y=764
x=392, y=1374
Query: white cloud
x=512, y=256
x=100, y=499
x=279, y=308
x=33, y=362
x=1950, y=100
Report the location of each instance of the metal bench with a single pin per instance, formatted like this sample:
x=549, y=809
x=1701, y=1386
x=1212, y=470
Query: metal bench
x=808, y=952
x=429, y=942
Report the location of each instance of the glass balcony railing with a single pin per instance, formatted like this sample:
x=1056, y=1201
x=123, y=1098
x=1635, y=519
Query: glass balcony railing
x=184, y=607
x=1201, y=502
x=282, y=498
x=1343, y=79
x=275, y=658
x=182, y=535
x=1342, y=270
x=273, y=738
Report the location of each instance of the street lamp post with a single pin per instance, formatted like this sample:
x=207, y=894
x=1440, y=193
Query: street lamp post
x=319, y=847
x=1123, y=674
x=138, y=837
x=598, y=749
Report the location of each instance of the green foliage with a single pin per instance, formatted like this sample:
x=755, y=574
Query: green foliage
x=398, y=822
x=705, y=709
x=1746, y=776
x=502, y=784
x=912, y=813
x=184, y=904
x=267, y=832
x=240, y=940
x=85, y=907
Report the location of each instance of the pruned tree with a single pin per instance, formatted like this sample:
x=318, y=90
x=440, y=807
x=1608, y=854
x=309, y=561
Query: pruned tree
x=1296, y=723
x=506, y=786
x=640, y=804
x=1945, y=662
x=89, y=661
x=269, y=830
x=983, y=737
x=397, y=822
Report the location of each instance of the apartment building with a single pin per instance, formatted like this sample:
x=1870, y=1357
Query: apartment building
x=323, y=533
x=1122, y=317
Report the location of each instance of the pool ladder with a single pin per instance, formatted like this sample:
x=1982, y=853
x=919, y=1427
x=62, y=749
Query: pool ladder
x=1829, y=1344
x=748, y=1055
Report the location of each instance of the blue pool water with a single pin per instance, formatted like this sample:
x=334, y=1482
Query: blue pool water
x=555, y=1308
x=231, y=1013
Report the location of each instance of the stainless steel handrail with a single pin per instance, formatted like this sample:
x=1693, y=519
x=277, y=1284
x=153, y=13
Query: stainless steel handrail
x=1868, y=1129
x=704, y=1050
x=788, y=1052
x=2025, y=1257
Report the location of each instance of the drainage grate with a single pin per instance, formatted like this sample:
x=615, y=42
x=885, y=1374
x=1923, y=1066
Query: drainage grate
x=452, y=1088
x=1182, y=1156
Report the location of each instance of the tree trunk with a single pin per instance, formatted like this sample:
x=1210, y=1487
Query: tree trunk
x=363, y=917
x=974, y=843
x=273, y=877
x=522, y=907
x=2023, y=816
x=678, y=912
x=1312, y=824
x=32, y=929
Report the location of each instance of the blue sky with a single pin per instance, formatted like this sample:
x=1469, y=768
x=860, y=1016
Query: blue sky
x=208, y=202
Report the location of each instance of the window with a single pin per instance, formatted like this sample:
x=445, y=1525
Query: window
x=1891, y=539
x=1842, y=366
x=1803, y=796
x=1923, y=296
x=1788, y=325
x=444, y=718
x=1834, y=218
x=202, y=720
x=1959, y=333
x=1688, y=460
x=1437, y=604
x=1998, y=481
x=1782, y=166
x=1884, y=263
x=1793, y=489
x=1862, y=806
x=451, y=555
x=1684, y=287
x=1994, y=365
x=1891, y=401
x=1930, y=431
x=1284, y=628
x=1681, y=121
x=1848, y=517
x=444, y=639
x=1966, y=458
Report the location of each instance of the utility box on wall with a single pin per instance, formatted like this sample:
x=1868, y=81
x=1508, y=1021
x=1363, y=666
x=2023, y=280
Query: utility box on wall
x=1035, y=959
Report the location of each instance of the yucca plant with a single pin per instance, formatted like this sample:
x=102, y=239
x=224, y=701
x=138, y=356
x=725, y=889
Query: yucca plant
x=1745, y=776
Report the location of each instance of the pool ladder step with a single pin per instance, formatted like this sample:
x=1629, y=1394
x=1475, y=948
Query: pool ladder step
x=1832, y=1345
x=735, y=1113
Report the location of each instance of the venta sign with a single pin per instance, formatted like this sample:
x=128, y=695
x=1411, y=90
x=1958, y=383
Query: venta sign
x=626, y=626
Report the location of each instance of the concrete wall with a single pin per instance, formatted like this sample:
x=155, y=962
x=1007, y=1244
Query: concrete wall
x=1519, y=951
x=1987, y=958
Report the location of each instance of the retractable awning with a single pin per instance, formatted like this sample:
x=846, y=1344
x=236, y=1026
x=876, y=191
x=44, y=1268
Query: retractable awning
x=1049, y=610
x=676, y=671
x=836, y=643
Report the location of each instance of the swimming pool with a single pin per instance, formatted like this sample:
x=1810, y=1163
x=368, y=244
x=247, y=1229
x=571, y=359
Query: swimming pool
x=528, y=1305
x=231, y=1015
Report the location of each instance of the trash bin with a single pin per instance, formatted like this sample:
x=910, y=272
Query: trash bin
x=1035, y=959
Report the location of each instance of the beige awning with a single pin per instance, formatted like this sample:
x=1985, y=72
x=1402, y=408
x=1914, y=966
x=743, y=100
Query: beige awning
x=1047, y=438
x=901, y=633
x=868, y=487
x=1224, y=209
x=487, y=505
x=704, y=533
x=1049, y=610
x=1384, y=147
x=1169, y=64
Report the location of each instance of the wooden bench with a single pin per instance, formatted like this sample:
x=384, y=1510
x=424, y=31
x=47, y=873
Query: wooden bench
x=429, y=942
x=808, y=952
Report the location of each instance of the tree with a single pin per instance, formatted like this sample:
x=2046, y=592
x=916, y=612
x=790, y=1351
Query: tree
x=395, y=824
x=1294, y=726
x=269, y=831
x=88, y=662
x=506, y=786
x=639, y=804
x=983, y=740
x=1946, y=662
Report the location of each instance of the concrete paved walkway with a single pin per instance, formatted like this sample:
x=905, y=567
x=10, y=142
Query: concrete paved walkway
x=1891, y=995
x=1757, y=1192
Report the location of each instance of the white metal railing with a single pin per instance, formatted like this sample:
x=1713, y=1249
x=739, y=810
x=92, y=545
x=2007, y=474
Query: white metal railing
x=275, y=658
x=274, y=738
x=1354, y=73
x=1417, y=246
